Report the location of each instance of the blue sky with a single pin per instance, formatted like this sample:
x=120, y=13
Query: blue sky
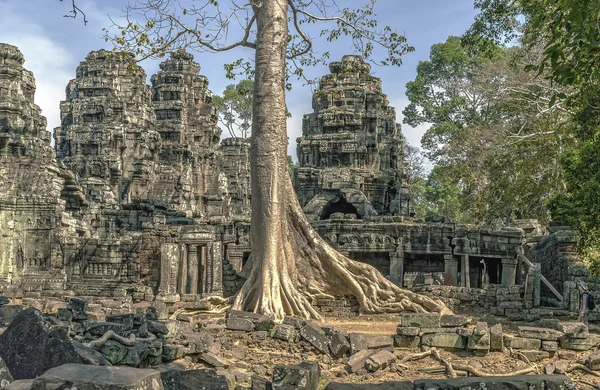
x=53, y=46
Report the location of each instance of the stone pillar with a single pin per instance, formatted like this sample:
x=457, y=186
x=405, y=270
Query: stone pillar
x=191, y=285
x=169, y=263
x=509, y=272
x=397, y=266
x=216, y=255
x=465, y=272
x=450, y=270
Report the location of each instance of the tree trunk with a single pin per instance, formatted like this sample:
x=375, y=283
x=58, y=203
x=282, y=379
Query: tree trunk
x=290, y=264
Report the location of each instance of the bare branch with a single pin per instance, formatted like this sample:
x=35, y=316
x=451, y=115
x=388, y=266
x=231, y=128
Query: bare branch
x=74, y=11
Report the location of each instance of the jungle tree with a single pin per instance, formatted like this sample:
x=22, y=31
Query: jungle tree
x=290, y=264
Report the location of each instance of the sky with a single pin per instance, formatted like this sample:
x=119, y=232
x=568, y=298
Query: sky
x=54, y=45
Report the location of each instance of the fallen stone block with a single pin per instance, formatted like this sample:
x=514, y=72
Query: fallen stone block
x=200, y=341
x=496, y=340
x=407, y=341
x=284, y=332
x=30, y=346
x=64, y=314
x=78, y=305
x=423, y=331
x=379, y=360
x=113, y=351
x=522, y=343
x=157, y=328
x=453, y=321
x=576, y=344
x=358, y=360
x=338, y=344
x=126, y=320
x=205, y=379
x=171, y=352
x=99, y=328
x=315, y=336
x=358, y=342
x=465, y=332
x=85, y=377
x=444, y=340
x=304, y=376
x=89, y=355
x=5, y=376
x=213, y=360
x=259, y=383
x=480, y=340
x=238, y=320
x=297, y=323
x=592, y=362
x=550, y=346
x=421, y=320
x=22, y=384
x=576, y=330
x=407, y=331
x=546, y=334
x=378, y=342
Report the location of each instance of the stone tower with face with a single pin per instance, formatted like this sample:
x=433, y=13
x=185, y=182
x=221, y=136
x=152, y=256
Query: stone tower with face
x=350, y=152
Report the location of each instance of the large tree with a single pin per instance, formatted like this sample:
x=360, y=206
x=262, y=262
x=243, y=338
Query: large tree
x=290, y=264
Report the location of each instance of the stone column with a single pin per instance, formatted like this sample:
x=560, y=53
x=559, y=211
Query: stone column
x=216, y=254
x=397, y=266
x=450, y=270
x=191, y=285
x=509, y=272
x=169, y=258
x=465, y=272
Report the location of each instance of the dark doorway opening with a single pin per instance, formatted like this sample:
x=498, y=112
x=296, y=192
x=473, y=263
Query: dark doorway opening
x=379, y=260
x=339, y=206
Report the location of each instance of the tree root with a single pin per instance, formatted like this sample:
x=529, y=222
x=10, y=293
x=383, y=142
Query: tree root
x=450, y=370
x=110, y=335
x=590, y=384
x=583, y=368
x=416, y=356
x=476, y=372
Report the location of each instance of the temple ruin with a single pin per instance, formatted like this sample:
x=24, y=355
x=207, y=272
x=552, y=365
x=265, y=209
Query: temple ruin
x=140, y=197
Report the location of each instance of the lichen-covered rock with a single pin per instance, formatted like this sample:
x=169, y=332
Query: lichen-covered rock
x=304, y=376
x=84, y=377
x=31, y=345
x=315, y=336
x=205, y=379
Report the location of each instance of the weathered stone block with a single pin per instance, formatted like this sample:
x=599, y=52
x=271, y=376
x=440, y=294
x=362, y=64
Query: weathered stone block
x=237, y=320
x=407, y=331
x=297, y=323
x=99, y=328
x=8, y=313
x=437, y=330
x=593, y=361
x=214, y=360
x=284, y=332
x=550, y=346
x=496, y=340
x=358, y=360
x=529, y=332
x=444, y=340
x=358, y=342
x=454, y=320
x=30, y=346
x=315, y=336
x=84, y=377
x=407, y=341
x=205, y=379
x=379, y=360
x=574, y=344
x=338, y=344
x=378, y=342
x=5, y=376
x=304, y=376
x=522, y=382
x=522, y=343
x=421, y=320
x=576, y=330
x=124, y=319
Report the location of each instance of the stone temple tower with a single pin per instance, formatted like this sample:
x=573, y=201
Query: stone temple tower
x=31, y=183
x=107, y=136
x=187, y=124
x=351, y=148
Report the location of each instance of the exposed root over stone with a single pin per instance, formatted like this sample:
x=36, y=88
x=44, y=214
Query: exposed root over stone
x=296, y=266
x=110, y=335
x=473, y=371
x=416, y=356
x=583, y=368
x=449, y=369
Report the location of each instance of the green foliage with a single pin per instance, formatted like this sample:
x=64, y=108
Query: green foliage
x=291, y=167
x=440, y=95
x=235, y=108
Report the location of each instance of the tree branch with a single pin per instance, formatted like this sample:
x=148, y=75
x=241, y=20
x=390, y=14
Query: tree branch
x=74, y=11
